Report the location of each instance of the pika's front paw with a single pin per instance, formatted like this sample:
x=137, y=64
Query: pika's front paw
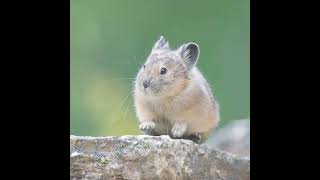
x=147, y=128
x=178, y=130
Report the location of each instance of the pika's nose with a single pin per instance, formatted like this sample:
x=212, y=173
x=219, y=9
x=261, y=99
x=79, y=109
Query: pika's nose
x=146, y=83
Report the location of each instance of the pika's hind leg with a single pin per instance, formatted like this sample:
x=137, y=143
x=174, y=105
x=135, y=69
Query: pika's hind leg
x=195, y=137
x=198, y=138
x=148, y=128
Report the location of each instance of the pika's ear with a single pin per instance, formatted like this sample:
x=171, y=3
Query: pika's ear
x=189, y=53
x=162, y=43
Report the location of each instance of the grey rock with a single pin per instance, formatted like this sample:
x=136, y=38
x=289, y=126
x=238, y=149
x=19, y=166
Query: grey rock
x=151, y=157
x=233, y=138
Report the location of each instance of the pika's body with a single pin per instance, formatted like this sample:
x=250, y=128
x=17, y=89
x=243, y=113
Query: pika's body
x=172, y=97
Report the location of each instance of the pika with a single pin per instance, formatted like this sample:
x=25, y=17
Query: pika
x=171, y=96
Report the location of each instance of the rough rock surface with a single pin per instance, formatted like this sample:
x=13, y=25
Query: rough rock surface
x=151, y=157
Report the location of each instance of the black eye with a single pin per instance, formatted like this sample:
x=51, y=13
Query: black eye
x=144, y=66
x=163, y=70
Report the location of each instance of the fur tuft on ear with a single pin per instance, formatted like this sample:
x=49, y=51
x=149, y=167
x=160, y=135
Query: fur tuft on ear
x=162, y=43
x=189, y=53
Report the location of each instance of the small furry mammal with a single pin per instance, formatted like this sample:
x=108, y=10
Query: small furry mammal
x=172, y=97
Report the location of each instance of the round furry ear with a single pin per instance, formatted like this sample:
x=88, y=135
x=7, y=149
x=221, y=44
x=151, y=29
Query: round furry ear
x=189, y=53
x=161, y=43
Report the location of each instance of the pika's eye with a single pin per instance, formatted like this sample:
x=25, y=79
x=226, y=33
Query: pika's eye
x=163, y=70
x=144, y=66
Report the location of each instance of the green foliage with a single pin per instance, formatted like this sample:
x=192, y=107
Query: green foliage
x=110, y=39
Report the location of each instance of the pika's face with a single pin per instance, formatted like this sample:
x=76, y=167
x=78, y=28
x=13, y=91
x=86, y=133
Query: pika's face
x=163, y=74
x=166, y=72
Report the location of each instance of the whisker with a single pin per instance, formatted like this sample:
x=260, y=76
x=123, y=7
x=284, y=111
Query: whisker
x=118, y=109
x=125, y=99
x=119, y=79
x=125, y=115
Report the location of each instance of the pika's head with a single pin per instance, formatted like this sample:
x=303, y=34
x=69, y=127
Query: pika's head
x=167, y=72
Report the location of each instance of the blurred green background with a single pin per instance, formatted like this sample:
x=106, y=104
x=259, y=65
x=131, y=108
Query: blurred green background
x=110, y=39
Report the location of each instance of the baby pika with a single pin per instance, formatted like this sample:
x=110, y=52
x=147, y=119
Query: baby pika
x=172, y=97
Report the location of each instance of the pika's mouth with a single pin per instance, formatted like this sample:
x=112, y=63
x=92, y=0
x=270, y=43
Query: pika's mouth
x=151, y=90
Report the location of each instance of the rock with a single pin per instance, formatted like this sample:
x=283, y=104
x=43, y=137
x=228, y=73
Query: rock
x=233, y=138
x=151, y=157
